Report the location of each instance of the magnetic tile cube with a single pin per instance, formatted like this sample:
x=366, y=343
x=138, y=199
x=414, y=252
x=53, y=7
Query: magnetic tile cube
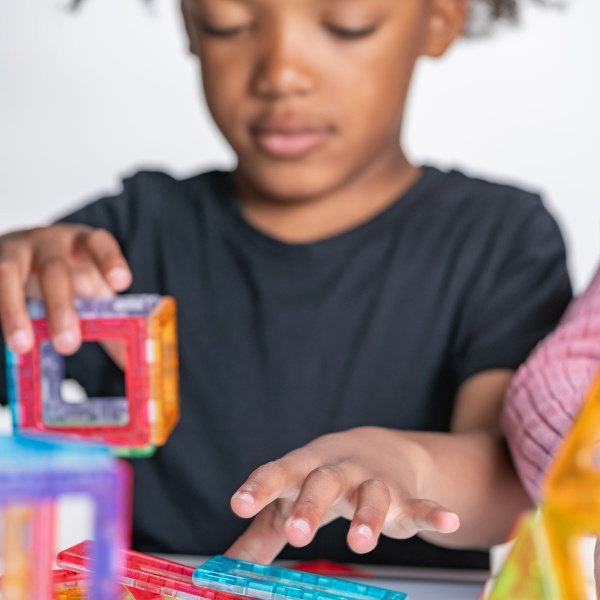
x=34, y=474
x=134, y=424
x=273, y=583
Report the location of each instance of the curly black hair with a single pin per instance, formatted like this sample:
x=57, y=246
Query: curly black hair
x=482, y=13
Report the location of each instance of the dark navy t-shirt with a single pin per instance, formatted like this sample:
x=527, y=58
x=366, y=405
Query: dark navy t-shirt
x=280, y=343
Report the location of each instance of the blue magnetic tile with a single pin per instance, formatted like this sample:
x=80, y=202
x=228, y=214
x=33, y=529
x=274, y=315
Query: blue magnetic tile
x=31, y=453
x=273, y=583
x=12, y=385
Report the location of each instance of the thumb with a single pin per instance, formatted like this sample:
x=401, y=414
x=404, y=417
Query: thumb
x=263, y=540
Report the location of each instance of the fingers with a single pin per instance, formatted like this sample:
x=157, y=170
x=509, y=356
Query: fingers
x=372, y=505
x=56, y=263
x=444, y=520
x=105, y=252
x=16, y=325
x=282, y=520
x=415, y=515
x=56, y=259
x=327, y=479
x=320, y=490
x=282, y=481
x=54, y=277
x=265, y=484
x=264, y=539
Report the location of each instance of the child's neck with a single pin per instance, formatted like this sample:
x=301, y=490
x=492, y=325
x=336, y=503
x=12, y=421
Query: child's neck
x=326, y=215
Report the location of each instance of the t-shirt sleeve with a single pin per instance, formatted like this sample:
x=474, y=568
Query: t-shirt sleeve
x=518, y=296
x=113, y=213
x=547, y=391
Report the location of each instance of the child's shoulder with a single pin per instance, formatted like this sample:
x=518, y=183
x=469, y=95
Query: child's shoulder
x=456, y=200
x=154, y=193
x=155, y=185
x=459, y=188
x=155, y=203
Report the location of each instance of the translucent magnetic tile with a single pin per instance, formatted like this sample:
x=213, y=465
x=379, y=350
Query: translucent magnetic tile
x=12, y=385
x=34, y=471
x=145, y=417
x=263, y=581
x=70, y=594
x=63, y=579
x=145, y=573
x=22, y=454
x=128, y=305
x=163, y=361
x=93, y=411
x=68, y=585
x=137, y=432
x=142, y=452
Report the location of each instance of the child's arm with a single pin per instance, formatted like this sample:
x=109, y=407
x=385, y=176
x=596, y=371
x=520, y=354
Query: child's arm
x=391, y=482
x=56, y=263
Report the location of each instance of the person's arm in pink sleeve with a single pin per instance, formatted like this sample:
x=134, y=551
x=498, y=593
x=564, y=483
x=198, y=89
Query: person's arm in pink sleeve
x=547, y=391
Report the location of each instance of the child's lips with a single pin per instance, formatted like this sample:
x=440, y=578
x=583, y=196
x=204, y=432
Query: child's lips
x=290, y=141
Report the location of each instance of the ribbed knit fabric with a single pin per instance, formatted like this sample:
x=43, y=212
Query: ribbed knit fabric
x=548, y=389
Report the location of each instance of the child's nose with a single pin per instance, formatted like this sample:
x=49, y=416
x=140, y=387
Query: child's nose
x=284, y=68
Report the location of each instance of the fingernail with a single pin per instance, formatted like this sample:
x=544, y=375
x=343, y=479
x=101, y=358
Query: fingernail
x=449, y=523
x=19, y=340
x=65, y=339
x=118, y=276
x=454, y=517
x=245, y=497
x=301, y=524
x=365, y=531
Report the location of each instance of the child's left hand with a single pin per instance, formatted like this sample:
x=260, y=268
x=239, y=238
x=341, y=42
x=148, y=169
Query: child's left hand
x=376, y=478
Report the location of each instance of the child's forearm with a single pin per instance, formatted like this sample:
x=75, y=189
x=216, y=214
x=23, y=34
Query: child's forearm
x=472, y=475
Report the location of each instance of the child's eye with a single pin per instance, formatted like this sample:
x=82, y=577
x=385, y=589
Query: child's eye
x=351, y=33
x=225, y=31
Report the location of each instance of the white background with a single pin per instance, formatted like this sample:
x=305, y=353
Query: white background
x=86, y=98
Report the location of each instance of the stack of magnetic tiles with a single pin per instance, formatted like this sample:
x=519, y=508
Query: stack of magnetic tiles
x=221, y=578
x=132, y=425
x=35, y=473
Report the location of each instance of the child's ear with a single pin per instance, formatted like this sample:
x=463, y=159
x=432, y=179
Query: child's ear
x=446, y=21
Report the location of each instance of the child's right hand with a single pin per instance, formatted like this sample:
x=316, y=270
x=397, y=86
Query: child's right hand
x=55, y=264
x=376, y=478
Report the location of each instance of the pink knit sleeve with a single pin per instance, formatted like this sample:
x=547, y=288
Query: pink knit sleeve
x=546, y=393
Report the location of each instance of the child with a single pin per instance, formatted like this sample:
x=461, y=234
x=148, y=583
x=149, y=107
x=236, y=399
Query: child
x=332, y=298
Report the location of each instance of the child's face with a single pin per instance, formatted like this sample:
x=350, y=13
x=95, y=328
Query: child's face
x=310, y=93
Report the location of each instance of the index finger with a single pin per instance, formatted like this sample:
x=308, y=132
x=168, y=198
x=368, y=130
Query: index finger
x=15, y=263
x=56, y=286
x=281, y=478
x=264, y=538
x=104, y=250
